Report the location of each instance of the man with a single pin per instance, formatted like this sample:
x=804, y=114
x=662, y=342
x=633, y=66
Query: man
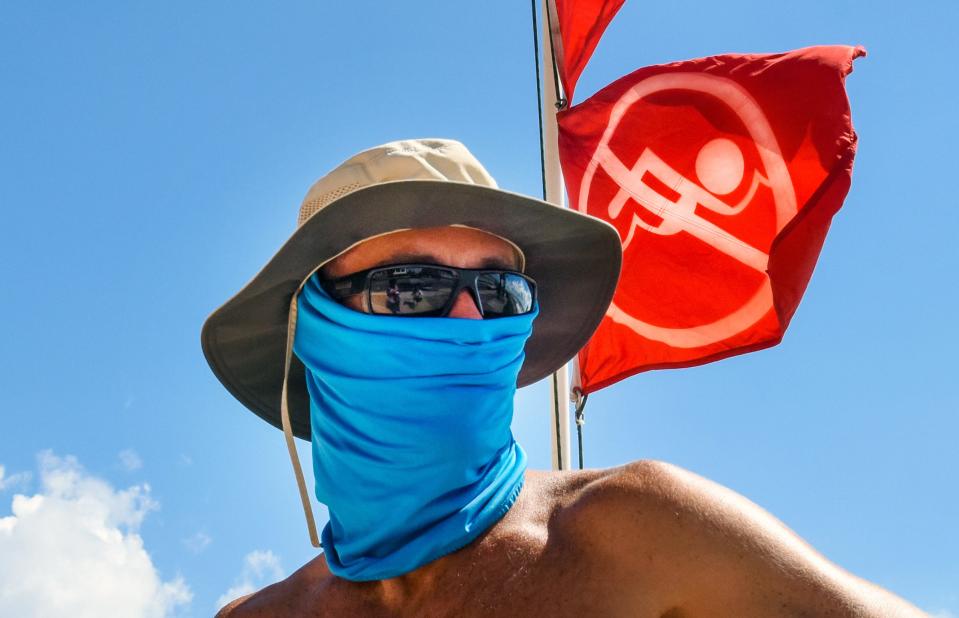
x=408, y=405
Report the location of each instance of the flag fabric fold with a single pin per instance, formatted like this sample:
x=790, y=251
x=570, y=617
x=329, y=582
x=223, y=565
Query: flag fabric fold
x=577, y=26
x=722, y=175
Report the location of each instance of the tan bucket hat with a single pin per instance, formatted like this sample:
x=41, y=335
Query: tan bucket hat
x=574, y=258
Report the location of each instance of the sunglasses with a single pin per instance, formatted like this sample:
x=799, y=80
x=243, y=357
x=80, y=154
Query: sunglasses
x=429, y=290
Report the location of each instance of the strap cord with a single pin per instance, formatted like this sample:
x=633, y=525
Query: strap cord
x=287, y=426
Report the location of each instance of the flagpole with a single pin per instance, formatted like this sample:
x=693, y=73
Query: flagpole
x=559, y=391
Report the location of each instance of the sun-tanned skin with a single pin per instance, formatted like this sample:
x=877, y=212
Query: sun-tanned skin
x=645, y=539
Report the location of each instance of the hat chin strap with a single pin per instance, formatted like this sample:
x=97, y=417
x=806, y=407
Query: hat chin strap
x=287, y=427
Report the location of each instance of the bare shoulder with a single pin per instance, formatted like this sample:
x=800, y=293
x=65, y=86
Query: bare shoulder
x=300, y=594
x=701, y=546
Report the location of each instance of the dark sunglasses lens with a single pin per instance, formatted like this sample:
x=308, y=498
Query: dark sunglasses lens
x=410, y=290
x=504, y=294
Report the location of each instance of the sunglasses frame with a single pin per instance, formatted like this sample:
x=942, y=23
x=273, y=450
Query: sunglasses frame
x=359, y=283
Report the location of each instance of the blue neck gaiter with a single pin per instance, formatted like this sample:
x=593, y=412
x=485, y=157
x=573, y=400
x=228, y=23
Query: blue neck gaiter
x=412, y=448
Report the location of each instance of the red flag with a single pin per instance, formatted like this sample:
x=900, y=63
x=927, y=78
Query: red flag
x=577, y=28
x=722, y=175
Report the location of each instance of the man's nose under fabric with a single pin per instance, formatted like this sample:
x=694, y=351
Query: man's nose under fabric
x=412, y=448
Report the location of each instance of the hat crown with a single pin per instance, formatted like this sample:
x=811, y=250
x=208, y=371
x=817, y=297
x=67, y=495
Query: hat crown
x=415, y=159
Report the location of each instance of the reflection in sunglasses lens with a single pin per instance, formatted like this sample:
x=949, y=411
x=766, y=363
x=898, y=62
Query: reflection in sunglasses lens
x=411, y=291
x=504, y=293
x=424, y=290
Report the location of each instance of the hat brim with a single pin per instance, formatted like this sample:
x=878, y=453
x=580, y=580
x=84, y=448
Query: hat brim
x=574, y=258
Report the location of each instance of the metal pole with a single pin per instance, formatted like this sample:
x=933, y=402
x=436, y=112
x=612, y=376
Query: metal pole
x=559, y=392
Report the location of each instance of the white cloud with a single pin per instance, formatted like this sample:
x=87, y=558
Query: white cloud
x=13, y=480
x=197, y=542
x=130, y=459
x=943, y=613
x=73, y=550
x=260, y=568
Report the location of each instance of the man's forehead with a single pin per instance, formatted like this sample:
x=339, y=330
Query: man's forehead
x=510, y=262
x=461, y=246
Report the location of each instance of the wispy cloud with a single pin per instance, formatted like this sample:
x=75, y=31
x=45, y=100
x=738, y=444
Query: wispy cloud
x=260, y=568
x=130, y=459
x=74, y=549
x=10, y=481
x=942, y=613
x=198, y=542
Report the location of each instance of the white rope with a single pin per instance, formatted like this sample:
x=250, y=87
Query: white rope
x=287, y=428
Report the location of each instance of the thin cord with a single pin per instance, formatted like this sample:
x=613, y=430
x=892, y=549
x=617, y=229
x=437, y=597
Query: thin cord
x=539, y=99
x=580, y=421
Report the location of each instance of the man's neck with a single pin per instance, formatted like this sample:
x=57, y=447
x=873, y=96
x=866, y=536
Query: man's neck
x=405, y=590
x=408, y=589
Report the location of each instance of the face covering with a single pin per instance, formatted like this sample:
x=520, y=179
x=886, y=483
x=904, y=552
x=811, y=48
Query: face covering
x=412, y=448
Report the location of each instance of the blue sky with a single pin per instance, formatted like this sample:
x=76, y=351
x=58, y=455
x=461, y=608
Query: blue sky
x=153, y=156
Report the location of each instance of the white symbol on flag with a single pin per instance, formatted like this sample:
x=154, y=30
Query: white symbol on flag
x=719, y=167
